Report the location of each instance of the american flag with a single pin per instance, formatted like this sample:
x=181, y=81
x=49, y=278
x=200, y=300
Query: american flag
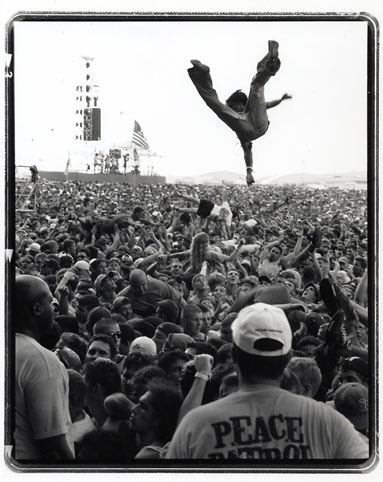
x=68, y=163
x=138, y=137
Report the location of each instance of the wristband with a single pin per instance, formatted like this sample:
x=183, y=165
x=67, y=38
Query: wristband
x=249, y=168
x=203, y=376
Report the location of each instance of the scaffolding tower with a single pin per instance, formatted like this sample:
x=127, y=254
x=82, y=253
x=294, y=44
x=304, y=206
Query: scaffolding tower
x=27, y=192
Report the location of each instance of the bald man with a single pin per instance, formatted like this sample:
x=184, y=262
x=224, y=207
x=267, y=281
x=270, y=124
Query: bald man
x=42, y=416
x=146, y=292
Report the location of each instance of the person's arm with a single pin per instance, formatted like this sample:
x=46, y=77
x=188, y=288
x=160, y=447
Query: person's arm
x=68, y=276
x=320, y=274
x=361, y=311
x=93, y=235
x=148, y=260
x=175, y=220
x=54, y=448
x=63, y=301
x=266, y=249
x=116, y=241
x=192, y=199
x=274, y=103
x=360, y=296
x=203, y=365
x=181, y=254
x=335, y=272
x=295, y=261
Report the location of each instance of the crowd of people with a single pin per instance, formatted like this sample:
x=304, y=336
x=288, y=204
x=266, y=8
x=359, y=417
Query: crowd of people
x=191, y=322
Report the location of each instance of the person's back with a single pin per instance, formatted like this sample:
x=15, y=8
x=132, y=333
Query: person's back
x=266, y=423
x=262, y=420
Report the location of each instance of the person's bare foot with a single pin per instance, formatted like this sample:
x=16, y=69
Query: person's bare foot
x=249, y=178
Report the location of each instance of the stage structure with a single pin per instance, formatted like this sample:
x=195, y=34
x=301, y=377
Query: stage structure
x=88, y=110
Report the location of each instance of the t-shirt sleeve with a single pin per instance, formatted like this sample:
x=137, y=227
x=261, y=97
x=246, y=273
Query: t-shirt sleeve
x=349, y=444
x=47, y=408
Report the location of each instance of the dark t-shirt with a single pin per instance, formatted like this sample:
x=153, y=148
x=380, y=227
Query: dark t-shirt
x=145, y=304
x=205, y=208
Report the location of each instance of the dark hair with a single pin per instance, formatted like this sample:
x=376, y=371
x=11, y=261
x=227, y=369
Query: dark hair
x=66, y=260
x=101, y=446
x=217, y=342
x=167, y=327
x=218, y=373
x=91, y=250
x=166, y=403
x=105, y=373
x=90, y=301
x=75, y=343
x=143, y=376
x=203, y=347
x=261, y=366
x=237, y=96
x=224, y=353
x=127, y=332
x=170, y=311
x=67, y=323
x=308, y=340
x=138, y=359
x=94, y=315
x=362, y=261
x=165, y=360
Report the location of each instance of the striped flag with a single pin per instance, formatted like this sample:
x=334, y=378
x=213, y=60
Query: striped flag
x=138, y=137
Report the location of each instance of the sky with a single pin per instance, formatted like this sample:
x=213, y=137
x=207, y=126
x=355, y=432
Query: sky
x=141, y=68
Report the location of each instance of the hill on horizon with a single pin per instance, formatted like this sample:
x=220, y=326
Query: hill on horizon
x=218, y=177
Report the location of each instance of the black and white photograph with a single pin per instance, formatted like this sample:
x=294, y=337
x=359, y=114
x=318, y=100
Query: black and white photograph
x=191, y=242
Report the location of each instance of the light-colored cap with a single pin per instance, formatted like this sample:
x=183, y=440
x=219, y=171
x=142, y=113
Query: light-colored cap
x=262, y=329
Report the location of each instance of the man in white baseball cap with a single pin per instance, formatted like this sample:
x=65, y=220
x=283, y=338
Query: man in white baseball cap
x=262, y=420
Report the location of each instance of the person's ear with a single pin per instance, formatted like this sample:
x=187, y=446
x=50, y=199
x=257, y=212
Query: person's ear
x=36, y=309
x=307, y=388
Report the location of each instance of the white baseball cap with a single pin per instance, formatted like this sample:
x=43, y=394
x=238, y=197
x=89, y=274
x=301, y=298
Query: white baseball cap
x=262, y=329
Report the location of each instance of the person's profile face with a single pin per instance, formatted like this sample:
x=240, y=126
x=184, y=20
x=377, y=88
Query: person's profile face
x=45, y=317
x=143, y=417
x=159, y=339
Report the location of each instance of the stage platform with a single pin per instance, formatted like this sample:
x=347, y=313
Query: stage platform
x=84, y=177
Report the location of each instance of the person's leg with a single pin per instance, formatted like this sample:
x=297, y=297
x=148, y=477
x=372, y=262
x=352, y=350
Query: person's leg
x=256, y=104
x=200, y=76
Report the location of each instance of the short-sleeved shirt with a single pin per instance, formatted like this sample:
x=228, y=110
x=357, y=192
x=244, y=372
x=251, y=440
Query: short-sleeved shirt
x=266, y=422
x=41, y=397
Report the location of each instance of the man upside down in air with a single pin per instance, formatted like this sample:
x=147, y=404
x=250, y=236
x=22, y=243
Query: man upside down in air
x=245, y=115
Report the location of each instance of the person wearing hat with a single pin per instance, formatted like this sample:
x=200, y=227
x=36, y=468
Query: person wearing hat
x=261, y=420
x=33, y=249
x=351, y=400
